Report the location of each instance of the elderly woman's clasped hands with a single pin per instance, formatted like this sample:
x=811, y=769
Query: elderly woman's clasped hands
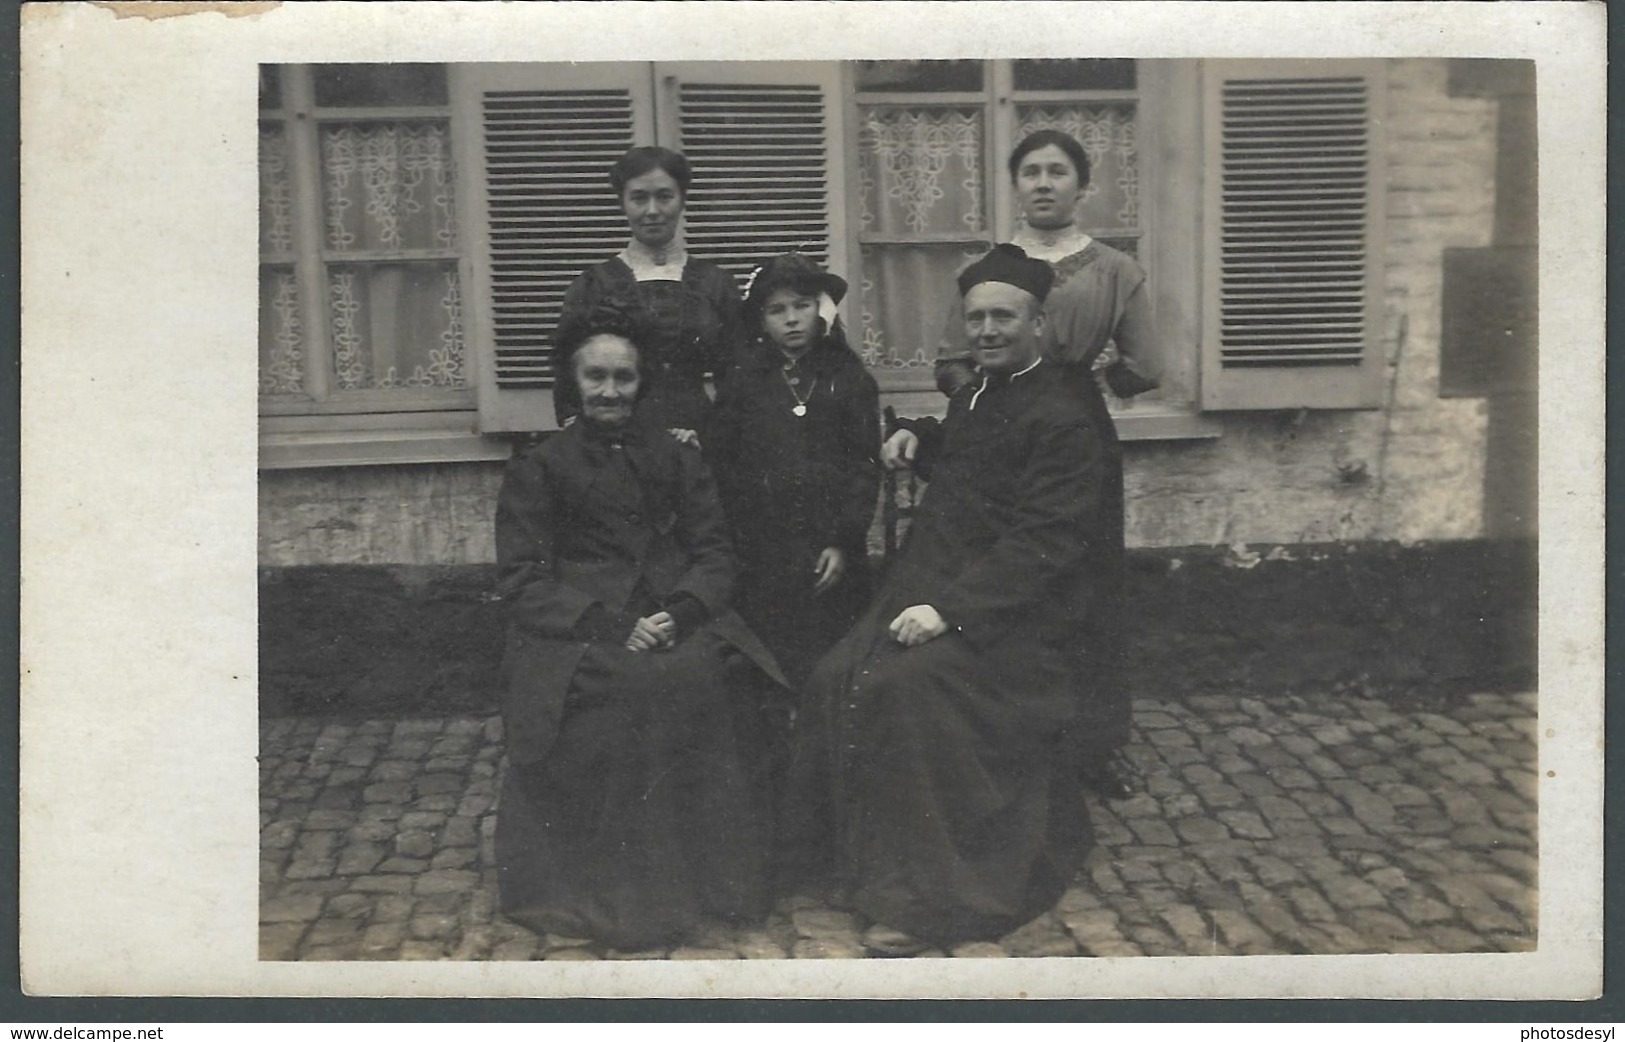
x=653, y=633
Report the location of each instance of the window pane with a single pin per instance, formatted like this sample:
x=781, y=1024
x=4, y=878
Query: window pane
x=1107, y=133
x=908, y=297
x=276, y=191
x=388, y=186
x=920, y=171
x=282, y=338
x=396, y=325
x=919, y=75
x=270, y=87
x=402, y=83
x=1074, y=74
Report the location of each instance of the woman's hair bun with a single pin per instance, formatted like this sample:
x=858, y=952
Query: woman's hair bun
x=613, y=315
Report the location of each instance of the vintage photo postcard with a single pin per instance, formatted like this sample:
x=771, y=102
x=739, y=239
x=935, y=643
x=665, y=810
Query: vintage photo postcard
x=802, y=499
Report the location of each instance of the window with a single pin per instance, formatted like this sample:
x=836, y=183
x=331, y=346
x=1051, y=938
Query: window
x=932, y=191
x=361, y=298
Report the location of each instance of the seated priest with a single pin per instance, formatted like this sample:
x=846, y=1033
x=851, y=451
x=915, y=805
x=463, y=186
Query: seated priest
x=933, y=783
x=635, y=808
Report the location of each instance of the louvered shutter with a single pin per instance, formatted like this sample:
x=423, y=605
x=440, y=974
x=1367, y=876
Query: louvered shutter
x=540, y=140
x=1293, y=235
x=761, y=138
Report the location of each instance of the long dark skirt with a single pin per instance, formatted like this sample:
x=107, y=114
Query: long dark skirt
x=777, y=600
x=649, y=812
x=1104, y=706
x=947, y=807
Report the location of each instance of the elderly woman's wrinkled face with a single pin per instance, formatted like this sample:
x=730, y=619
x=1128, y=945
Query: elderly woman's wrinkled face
x=607, y=373
x=1047, y=187
x=653, y=203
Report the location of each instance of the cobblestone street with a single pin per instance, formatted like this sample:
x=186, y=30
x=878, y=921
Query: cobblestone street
x=1302, y=825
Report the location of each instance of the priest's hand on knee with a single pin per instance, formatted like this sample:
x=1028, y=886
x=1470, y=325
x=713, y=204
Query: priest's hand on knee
x=898, y=451
x=917, y=625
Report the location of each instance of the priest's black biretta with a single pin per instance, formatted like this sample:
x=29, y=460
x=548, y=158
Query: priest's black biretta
x=1010, y=264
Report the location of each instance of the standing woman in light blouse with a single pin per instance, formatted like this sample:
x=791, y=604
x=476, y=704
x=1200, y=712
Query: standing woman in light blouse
x=690, y=307
x=1099, y=298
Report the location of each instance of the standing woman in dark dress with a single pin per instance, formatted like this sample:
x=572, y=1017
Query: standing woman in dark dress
x=634, y=807
x=1099, y=299
x=689, y=307
x=795, y=444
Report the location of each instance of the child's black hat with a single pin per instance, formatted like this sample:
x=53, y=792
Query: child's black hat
x=791, y=271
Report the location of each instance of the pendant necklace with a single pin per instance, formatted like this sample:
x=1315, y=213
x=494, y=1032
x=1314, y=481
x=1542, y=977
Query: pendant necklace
x=801, y=403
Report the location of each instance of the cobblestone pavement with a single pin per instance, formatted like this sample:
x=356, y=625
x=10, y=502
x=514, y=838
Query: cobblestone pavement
x=1319, y=825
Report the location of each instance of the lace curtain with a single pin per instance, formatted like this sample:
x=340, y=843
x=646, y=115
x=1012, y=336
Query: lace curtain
x=396, y=325
x=282, y=336
x=387, y=186
x=921, y=178
x=394, y=304
x=921, y=171
x=282, y=341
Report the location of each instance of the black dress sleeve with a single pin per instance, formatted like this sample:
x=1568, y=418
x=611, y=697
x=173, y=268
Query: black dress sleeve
x=721, y=441
x=928, y=429
x=729, y=345
x=526, y=527
x=859, y=462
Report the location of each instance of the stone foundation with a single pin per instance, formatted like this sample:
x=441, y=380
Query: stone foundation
x=1380, y=619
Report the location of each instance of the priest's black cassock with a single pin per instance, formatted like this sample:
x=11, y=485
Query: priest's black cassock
x=936, y=782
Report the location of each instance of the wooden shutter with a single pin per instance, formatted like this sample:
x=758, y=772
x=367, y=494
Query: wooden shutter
x=1293, y=245
x=760, y=137
x=538, y=142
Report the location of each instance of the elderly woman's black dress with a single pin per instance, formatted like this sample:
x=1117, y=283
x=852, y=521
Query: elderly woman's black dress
x=634, y=805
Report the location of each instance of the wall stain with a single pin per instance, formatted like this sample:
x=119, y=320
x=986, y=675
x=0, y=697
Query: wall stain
x=153, y=10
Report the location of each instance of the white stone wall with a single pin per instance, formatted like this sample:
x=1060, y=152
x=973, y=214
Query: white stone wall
x=1413, y=470
x=438, y=513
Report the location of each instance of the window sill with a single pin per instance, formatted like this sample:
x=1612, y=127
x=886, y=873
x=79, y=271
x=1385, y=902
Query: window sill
x=1146, y=421
x=1165, y=421
x=1152, y=421
x=290, y=451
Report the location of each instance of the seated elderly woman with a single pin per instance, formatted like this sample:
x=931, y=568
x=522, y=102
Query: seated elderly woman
x=634, y=805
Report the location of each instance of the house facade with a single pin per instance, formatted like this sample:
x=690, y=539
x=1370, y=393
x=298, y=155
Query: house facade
x=1340, y=255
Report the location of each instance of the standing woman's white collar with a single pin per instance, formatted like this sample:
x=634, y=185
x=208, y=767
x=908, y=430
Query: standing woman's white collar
x=649, y=264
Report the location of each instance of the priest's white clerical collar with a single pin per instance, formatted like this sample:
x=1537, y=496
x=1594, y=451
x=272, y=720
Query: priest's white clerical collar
x=648, y=263
x=1022, y=372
